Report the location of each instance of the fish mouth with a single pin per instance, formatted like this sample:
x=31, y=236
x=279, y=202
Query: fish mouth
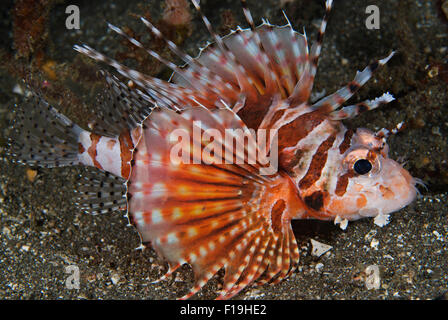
x=401, y=189
x=396, y=189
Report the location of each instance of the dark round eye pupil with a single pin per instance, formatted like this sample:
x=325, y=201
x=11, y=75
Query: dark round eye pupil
x=362, y=166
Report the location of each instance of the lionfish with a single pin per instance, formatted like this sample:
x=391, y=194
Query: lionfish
x=225, y=215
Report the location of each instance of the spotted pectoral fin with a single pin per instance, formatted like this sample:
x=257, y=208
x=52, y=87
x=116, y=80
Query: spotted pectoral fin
x=98, y=191
x=119, y=108
x=210, y=216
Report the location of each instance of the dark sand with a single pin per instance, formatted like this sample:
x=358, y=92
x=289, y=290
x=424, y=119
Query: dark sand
x=42, y=232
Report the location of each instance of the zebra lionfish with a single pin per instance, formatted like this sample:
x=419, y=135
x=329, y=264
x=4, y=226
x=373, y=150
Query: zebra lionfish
x=214, y=216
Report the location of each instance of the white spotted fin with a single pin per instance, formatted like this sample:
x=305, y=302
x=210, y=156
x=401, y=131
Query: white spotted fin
x=100, y=192
x=42, y=136
x=119, y=108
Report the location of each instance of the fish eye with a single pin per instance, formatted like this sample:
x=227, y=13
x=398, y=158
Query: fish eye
x=362, y=166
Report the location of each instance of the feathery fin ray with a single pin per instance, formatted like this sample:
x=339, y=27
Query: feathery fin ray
x=42, y=136
x=192, y=212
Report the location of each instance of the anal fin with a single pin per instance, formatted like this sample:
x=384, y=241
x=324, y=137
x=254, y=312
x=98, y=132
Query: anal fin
x=100, y=192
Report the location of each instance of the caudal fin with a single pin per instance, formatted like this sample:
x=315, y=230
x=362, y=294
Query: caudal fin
x=42, y=136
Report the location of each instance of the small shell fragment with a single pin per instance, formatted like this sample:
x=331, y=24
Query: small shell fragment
x=374, y=244
x=115, y=278
x=319, y=248
x=319, y=267
x=373, y=279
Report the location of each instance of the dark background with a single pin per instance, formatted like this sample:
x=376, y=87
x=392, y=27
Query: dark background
x=41, y=231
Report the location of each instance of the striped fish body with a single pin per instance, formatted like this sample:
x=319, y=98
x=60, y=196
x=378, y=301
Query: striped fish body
x=216, y=208
x=343, y=174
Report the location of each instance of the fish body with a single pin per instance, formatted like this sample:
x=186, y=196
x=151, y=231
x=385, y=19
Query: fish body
x=203, y=197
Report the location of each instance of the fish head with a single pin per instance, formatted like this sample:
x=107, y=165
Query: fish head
x=369, y=183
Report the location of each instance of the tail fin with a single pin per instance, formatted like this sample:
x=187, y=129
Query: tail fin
x=42, y=136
